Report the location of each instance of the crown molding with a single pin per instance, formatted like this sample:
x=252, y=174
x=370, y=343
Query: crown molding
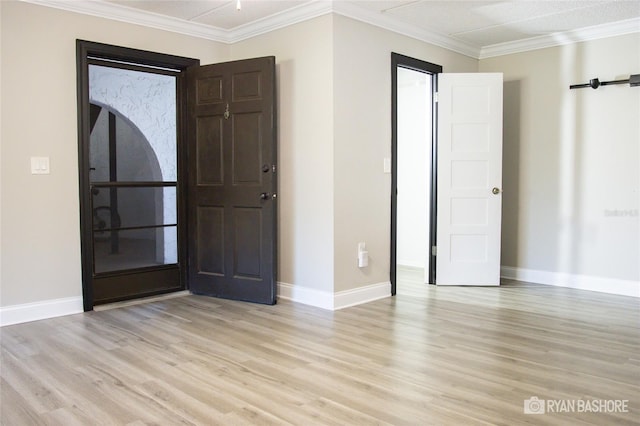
x=387, y=22
x=134, y=16
x=596, y=32
x=313, y=9
x=304, y=12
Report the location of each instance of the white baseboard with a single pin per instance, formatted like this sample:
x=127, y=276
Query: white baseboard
x=305, y=295
x=334, y=301
x=402, y=266
x=410, y=264
x=360, y=295
x=581, y=282
x=27, y=312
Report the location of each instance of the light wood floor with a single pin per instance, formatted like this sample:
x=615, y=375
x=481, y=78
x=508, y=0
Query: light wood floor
x=446, y=356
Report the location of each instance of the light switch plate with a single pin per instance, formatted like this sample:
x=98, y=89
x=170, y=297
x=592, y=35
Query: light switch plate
x=387, y=165
x=40, y=165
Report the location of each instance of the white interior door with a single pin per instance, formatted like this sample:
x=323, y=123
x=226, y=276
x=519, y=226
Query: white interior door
x=469, y=179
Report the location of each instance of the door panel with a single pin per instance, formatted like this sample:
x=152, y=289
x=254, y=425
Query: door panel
x=247, y=223
x=246, y=86
x=210, y=247
x=209, y=150
x=209, y=90
x=232, y=180
x=247, y=149
x=469, y=168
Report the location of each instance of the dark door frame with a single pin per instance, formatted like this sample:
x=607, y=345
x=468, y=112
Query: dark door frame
x=401, y=61
x=87, y=51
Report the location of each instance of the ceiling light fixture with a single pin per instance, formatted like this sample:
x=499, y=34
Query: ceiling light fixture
x=238, y=5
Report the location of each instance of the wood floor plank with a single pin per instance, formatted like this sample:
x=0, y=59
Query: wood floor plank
x=430, y=355
x=18, y=378
x=15, y=409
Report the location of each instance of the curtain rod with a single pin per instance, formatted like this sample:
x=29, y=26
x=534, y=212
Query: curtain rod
x=594, y=83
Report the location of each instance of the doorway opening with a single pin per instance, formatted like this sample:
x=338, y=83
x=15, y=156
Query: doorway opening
x=178, y=182
x=413, y=188
x=131, y=167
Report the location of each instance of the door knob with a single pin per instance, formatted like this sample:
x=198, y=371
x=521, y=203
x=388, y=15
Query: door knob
x=266, y=196
x=496, y=190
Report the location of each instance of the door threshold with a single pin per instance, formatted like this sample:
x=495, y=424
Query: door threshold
x=141, y=300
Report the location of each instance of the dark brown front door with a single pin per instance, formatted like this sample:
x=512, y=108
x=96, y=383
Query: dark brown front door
x=232, y=180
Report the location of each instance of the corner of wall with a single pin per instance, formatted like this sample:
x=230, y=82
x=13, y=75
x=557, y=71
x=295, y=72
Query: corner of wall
x=334, y=300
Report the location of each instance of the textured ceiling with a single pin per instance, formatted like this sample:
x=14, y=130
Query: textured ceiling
x=483, y=23
x=219, y=14
x=477, y=23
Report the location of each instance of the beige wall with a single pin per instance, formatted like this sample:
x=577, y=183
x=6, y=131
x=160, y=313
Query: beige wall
x=305, y=196
x=362, y=139
x=334, y=131
x=40, y=214
x=571, y=158
x=334, y=89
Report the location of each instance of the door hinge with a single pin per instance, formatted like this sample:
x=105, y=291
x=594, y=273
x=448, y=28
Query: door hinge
x=435, y=97
x=434, y=251
x=273, y=168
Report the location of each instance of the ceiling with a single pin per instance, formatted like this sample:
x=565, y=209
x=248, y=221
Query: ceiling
x=477, y=28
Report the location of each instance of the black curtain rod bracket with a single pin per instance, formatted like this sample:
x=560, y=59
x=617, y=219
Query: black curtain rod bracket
x=594, y=83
